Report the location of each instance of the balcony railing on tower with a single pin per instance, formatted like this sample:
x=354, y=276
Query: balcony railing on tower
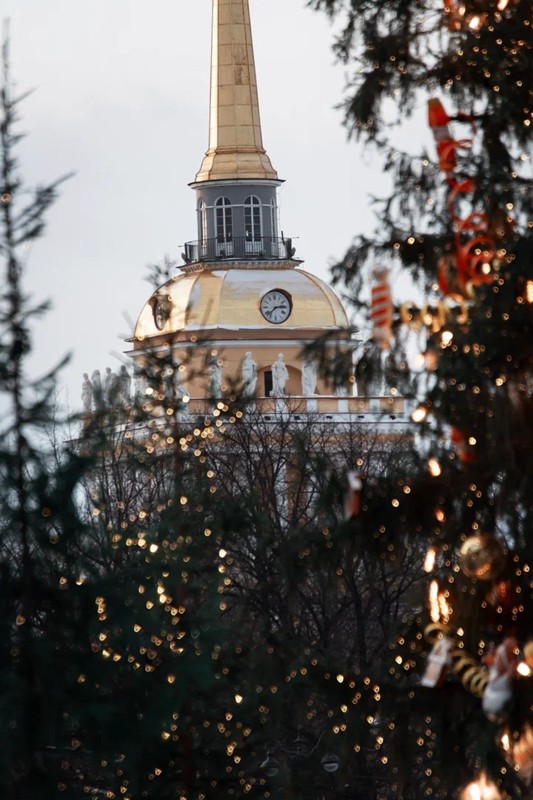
x=238, y=247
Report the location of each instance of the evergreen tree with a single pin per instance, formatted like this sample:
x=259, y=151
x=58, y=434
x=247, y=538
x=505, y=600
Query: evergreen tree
x=109, y=634
x=458, y=221
x=37, y=511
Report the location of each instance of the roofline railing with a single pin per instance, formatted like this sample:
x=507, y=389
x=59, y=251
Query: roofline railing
x=227, y=248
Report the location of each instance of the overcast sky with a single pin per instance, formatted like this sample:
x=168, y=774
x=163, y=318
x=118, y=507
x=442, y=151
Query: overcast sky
x=121, y=98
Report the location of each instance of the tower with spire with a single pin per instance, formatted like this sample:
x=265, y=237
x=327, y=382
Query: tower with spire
x=236, y=183
x=241, y=293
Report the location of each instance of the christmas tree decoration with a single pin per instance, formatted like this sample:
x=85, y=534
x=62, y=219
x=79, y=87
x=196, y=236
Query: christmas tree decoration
x=430, y=560
x=434, y=467
x=472, y=16
x=439, y=608
x=463, y=445
x=518, y=749
x=458, y=223
x=449, y=279
x=528, y=653
x=447, y=146
x=503, y=596
x=438, y=662
x=481, y=789
x=381, y=309
x=420, y=413
x=352, y=498
x=474, y=259
x=463, y=667
x=502, y=668
x=482, y=556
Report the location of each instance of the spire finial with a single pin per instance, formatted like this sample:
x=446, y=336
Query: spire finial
x=235, y=142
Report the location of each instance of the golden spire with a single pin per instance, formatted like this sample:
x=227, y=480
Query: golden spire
x=235, y=142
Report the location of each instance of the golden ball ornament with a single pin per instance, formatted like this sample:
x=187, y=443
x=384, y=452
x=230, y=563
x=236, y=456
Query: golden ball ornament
x=528, y=654
x=482, y=556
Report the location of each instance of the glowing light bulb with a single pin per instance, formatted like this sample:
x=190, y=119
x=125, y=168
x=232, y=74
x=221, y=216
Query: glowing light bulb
x=429, y=562
x=419, y=414
x=434, y=467
x=481, y=789
x=475, y=22
x=434, y=610
x=446, y=338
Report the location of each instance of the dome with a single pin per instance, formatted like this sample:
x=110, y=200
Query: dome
x=231, y=299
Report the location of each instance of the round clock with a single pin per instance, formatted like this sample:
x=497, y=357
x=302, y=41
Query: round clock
x=276, y=306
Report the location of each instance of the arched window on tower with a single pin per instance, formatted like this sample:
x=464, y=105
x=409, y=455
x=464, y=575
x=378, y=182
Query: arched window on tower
x=224, y=226
x=253, y=224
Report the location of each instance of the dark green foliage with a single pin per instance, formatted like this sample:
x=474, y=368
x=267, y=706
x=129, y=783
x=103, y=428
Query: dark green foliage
x=480, y=396
x=401, y=54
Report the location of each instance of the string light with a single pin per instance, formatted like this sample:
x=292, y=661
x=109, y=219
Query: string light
x=434, y=467
x=481, y=789
x=429, y=561
x=420, y=413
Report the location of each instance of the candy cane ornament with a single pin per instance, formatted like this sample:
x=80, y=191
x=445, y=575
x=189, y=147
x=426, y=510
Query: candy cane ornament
x=381, y=309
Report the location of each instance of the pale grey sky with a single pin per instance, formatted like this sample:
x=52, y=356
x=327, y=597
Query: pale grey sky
x=121, y=98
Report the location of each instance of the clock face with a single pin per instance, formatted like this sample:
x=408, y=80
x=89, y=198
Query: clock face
x=276, y=306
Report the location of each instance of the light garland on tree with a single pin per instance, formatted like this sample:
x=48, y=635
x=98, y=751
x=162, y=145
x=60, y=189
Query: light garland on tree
x=471, y=674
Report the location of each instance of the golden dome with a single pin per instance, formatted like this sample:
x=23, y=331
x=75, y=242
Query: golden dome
x=229, y=298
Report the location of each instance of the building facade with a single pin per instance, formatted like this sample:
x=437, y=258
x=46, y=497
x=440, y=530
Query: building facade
x=242, y=309
x=240, y=315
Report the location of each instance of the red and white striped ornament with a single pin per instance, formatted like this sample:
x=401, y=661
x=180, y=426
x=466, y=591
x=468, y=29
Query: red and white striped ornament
x=381, y=308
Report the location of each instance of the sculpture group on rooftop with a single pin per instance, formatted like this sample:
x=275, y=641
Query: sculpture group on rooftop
x=114, y=391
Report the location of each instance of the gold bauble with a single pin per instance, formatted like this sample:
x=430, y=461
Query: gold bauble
x=482, y=557
x=528, y=654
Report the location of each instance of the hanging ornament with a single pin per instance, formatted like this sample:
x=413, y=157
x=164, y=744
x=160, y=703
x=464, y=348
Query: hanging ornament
x=474, y=259
x=448, y=277
x=352, y=498
x=447, y=146
x=482, y=556
x=528, y=653
x=502, y=596
x=471, y=674
x=381, y=309
x=438, y=662
x=464, y=448
x=482, y=788
x=519, y=752
x=502, y=665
